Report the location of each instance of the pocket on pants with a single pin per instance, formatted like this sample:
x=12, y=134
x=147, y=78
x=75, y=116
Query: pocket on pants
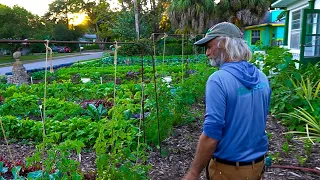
x=214, y=173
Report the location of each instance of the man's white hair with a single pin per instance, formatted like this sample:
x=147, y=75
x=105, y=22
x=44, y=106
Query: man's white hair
x=236, y=49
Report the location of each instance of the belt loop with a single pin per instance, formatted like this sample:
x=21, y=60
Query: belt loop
x=237, y=165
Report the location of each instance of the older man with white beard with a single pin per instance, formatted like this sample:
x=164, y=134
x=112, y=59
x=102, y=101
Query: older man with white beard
x=233, y=142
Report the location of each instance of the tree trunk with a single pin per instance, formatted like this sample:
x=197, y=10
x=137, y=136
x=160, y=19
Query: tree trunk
x=136, y=13
x=154, y=12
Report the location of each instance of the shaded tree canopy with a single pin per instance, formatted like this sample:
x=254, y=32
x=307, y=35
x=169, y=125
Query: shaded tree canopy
x=242, y=12
x=191, y=16
x=18, y=23
x=59, y=10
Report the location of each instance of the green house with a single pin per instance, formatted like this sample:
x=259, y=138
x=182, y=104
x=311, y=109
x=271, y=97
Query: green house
x=269, y=33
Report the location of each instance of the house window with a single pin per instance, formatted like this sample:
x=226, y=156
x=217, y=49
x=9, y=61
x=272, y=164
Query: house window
x=296, y=29
x=255, y=36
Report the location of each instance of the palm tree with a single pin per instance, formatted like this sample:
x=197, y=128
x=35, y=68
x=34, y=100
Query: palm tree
x=242, y=12
x=191, y=16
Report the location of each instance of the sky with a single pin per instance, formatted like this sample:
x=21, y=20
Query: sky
x=39, y=7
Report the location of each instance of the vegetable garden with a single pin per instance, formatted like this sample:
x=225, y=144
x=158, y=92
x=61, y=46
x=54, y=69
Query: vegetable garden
x=130, y=105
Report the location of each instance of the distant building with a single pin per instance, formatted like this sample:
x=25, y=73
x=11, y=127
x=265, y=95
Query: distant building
x=269, y=33
x=88, y=38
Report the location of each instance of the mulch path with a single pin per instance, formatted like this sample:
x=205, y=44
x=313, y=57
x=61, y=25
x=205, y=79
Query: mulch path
x=180, y=148
x=178, y=151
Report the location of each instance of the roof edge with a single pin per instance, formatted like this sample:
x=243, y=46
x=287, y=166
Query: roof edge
x=262, y=25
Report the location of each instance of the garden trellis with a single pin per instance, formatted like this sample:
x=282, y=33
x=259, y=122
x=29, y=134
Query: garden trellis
x=157, y=88
x=154, y=90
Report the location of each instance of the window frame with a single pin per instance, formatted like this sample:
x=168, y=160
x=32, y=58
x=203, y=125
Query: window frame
x=296, y=31
x=254, y=36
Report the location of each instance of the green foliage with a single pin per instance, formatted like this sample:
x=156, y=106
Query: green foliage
x=20, y=104
x=269, y=136
x=277, y=59
x=285, y=147
x=188, y=16
x=37, y=48
x=96, y=112
x=306, y=88
x=40, y=75
x=91, y=47
x=301, y=159
x=124, y=26
x=120, y=155
x=174, y=46
x=59, y=109
x=312, y=130
x=3, y=169
x=275, y=157
x=141, y=47
x=58, y=157
x=24, y=105
x=16, y=22
x=15, y=172
x=63, y=33
x=307, y=147
x=116, y=155
x=242, y=13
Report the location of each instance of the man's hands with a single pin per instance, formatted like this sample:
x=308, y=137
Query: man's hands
x=206, y=148
x=191, y=175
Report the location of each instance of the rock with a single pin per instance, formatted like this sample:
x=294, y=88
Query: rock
x=19, y=73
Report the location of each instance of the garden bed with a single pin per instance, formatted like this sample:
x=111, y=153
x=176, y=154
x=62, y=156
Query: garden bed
x=178, y=151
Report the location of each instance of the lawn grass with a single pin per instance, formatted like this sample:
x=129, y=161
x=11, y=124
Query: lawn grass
x=9, y=59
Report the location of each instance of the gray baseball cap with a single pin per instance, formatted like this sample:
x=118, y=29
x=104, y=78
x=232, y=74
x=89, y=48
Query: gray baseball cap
x=222, y=29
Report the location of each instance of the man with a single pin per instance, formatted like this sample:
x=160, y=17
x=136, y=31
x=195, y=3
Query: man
x=233, y=142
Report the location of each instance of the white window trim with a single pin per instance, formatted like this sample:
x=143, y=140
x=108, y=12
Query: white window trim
x=290, y=24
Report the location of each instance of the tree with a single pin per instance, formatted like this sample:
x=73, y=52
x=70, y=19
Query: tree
x=191, y=16
x=242, y=12
x=59, y=10
x=63, y=33
x=17, y=23
x=100, y=18
x=124, y=26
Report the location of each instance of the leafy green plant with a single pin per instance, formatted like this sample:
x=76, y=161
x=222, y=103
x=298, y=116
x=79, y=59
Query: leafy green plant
x=312, y=131
x=15, y=172
x=20, y=104
x=60, y=109
x=307, y=147
x=275, y=157
x=306, y=88
x=288, y=136
x=58, y=159
x=96, y=112
x=277, y=59
x=2, y=170
x=118, y=156
x=301, y=159
x=285, y=147
x=269, y=135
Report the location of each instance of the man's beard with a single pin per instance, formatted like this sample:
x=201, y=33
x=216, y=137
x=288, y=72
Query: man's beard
x=218, y=60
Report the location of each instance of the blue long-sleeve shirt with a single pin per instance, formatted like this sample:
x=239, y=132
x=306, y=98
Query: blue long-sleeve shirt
x=237, y=102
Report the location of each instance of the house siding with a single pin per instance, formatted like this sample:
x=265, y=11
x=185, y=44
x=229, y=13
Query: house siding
x=317, y=4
